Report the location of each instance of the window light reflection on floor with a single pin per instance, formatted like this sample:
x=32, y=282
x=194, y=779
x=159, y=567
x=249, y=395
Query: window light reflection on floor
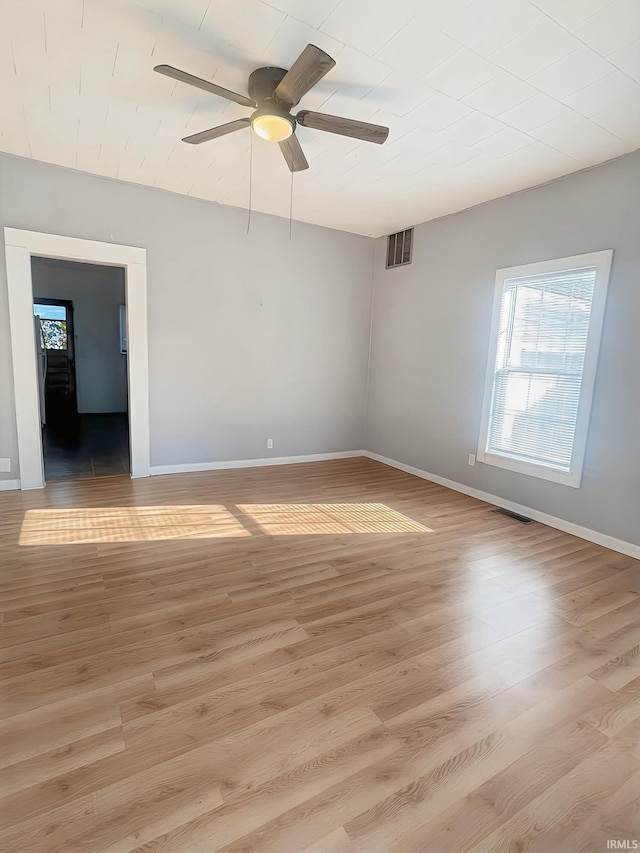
x=128, y=524
x=291, y=519
x=86, y=525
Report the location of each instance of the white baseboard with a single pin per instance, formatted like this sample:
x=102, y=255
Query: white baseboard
x=9, y=485
x=191, y=467
x=627, y=548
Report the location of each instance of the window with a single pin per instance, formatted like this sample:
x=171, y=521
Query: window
x=543, y=352
x=53, y=325
x=399, y=248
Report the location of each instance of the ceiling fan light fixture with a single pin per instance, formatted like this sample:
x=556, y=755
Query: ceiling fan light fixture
x=273, y=92
x=271, y=125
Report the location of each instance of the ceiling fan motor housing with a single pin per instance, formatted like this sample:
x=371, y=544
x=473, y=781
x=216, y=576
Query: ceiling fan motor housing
x=272, y=119
x=263, y=82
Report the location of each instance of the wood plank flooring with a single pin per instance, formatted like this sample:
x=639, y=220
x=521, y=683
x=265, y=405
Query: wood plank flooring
x=332, y=657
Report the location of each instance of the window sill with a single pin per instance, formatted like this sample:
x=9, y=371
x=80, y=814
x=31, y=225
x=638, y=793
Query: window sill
x=564, y=478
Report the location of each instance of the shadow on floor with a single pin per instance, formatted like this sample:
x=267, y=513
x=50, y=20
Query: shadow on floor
x=87, y=446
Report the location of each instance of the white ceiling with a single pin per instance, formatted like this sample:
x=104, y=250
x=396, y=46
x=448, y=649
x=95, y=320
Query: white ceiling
x=483, y=97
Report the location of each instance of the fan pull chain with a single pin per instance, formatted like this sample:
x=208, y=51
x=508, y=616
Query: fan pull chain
x=250, y=180
x=291, y=207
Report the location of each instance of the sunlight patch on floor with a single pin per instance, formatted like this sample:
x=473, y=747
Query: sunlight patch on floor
x=86, y=525
x=128, y=524
x=305, y=519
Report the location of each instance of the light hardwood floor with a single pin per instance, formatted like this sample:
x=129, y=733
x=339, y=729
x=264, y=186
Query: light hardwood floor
x=328, y=657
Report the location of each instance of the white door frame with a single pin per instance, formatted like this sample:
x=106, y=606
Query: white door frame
x=20, y=246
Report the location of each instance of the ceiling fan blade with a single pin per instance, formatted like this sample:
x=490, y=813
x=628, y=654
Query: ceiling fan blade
x=215, y=132
x=306, y=71
x=184, y=77
x=343, y=126
x=293, y=154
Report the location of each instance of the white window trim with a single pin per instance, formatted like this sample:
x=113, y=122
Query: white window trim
x=602, y=263
x=20, y=247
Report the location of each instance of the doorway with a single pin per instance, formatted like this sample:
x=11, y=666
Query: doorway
x=82, y=370
x=20, y=247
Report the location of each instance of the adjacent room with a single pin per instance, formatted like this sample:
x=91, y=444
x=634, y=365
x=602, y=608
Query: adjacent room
x=319, y=426
x=82, y=370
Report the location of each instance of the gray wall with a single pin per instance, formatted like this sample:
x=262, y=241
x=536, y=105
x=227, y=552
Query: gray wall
x=431, y=332
x=97, y=293
x=254, y=336
x=250, y=336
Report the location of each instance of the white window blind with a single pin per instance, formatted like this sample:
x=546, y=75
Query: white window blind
x=542, y=339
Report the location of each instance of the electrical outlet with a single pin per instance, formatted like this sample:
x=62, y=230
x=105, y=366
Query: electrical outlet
x=269, y=444
x=5, y=466
x=472, y=459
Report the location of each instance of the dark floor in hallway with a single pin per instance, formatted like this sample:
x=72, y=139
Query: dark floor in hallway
x=91, y=446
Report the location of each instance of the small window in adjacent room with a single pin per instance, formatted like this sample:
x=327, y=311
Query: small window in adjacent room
x=53, y=325
x=399, y=248
x=545, y=336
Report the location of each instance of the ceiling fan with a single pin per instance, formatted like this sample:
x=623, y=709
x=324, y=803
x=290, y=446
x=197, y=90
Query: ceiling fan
x=273, y=92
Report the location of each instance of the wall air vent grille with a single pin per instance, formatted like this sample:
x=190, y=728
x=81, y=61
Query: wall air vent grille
x=399, y=248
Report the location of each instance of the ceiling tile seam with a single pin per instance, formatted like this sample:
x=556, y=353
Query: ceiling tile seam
x=449, y=59
x=395, y=35
x=457, y=17
x=391, y=37
x=44, y=31
x=373, y=88
x=322, y=103
x=206, y=12
x=288, y=16
x=534, y=140
x=497, y=118
x=453, y=56
x=523, y=104
x=530, y=27
x=369, y=55
x=587, y=118
x=498, y=70
x=533, y=86
x=529, y=83
x=115, y=60
x=277, y=31
x=604, y=56
x=578, y=23
x=592, y=118
x=614, y=67
x=545, y=123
